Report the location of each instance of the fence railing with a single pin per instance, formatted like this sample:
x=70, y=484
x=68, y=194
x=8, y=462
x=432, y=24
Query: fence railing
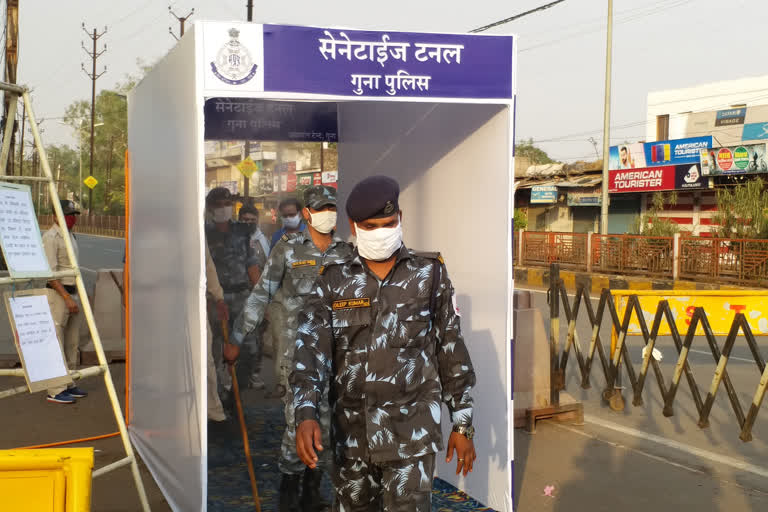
x=567, y=249
x=630, y=254
x=723, y=259
x=738, y=261
x=103, y=225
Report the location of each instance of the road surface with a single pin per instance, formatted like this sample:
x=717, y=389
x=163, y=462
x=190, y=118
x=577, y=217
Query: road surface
x=724, y=465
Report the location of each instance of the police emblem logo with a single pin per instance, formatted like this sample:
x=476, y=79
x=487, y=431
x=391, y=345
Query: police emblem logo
x=389, y=208
x=234, y=64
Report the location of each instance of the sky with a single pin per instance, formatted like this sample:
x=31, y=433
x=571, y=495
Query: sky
x=658, y=45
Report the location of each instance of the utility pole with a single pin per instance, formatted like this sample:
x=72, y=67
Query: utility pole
x=607, y=123
x=181, y=22
x=250, y=10
x=11, y=64
x=95, y=54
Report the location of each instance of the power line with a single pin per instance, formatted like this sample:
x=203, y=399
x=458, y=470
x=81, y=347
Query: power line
x=645, y=121
x=512, y=18
x=642, y=13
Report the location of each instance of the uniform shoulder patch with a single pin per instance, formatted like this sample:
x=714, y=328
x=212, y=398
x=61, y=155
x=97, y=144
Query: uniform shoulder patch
x=285, y=237
x=429, y=255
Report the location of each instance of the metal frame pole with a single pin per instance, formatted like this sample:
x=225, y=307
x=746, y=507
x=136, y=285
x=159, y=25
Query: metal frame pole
x=114, y=401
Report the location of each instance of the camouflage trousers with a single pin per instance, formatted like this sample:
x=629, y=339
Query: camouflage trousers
x=289, y=462
x=392, y=486
x=251, y=356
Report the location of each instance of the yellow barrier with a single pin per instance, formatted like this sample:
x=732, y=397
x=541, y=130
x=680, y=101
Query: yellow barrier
x=721, y=307
x=46, y=480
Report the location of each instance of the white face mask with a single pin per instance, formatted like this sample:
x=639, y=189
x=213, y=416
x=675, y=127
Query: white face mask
x=222, y=214
x=291, y=222
x=324, y=222
x=379, y=244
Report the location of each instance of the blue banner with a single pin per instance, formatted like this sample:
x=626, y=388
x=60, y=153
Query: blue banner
x=387, y=64
x=755, y=131
x=651, y=154
x=255, y=119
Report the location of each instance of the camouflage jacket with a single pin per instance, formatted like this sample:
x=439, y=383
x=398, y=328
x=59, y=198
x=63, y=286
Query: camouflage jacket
x=395, y=351
x=289, y=278
x=232, y=254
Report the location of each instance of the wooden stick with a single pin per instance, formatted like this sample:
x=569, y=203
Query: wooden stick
x=241, y=417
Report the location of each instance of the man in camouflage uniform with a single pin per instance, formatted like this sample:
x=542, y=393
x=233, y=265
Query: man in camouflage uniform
x=237, y=266
x=289, y=278
x=386, y=328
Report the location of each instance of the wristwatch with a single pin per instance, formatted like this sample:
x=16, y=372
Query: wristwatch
x=466, y=431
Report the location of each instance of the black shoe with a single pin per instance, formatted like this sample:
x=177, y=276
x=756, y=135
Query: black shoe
x=311, y=498
x=289, y=493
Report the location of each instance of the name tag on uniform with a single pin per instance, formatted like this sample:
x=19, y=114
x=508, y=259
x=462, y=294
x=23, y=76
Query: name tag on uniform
x=351, y=303
x=304, y=263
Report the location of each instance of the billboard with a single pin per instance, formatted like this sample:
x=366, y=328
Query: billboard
x=669, y=152
x=744, y=159
x=731, y=116
x=655, y=179
x=543, y=194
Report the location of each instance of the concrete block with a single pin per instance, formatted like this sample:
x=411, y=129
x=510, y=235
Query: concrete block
x=522, y=299
x=531, y=359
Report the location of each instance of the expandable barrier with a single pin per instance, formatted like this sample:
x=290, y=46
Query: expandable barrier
x=664, y=323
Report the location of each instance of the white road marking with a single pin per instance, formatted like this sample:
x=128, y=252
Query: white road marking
x=653, y=457
x=729, y=357
x=89, y=270
x=690, y=450
x=635, y=450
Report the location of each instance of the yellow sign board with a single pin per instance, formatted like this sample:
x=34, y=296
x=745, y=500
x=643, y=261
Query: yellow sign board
x=248, y=167
x=90, y=182
x=720, y=306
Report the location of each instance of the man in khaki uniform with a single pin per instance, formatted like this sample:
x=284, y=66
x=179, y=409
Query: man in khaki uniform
x=215, y=408
x=63, y=300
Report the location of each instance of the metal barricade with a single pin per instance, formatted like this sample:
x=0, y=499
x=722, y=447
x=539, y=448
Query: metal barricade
x=664, y=321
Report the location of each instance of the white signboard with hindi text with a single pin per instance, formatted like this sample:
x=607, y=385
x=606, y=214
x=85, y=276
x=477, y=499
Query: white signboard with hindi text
x=35, y=335
x=19, y=233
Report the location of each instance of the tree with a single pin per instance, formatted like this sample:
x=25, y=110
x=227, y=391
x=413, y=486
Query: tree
x=650, y=224
x=110, y=141
x=742, y=211
x=520, y=219
x=536, y=155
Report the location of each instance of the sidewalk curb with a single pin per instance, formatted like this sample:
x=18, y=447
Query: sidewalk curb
x=595, y=283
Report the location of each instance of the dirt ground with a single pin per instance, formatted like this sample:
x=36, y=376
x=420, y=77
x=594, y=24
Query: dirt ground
x=30, y=420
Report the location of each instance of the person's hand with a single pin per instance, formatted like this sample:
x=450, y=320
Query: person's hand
x=72, y=305
x=222, y=310
x=465, y=451
x=308, y=438
x=231, y=352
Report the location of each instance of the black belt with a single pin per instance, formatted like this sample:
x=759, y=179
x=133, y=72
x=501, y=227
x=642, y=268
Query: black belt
x=236, y=288
x=70, y=288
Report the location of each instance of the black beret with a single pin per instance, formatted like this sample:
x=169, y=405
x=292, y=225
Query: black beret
x=373, y=198
x=219, y=194
x=68, y=207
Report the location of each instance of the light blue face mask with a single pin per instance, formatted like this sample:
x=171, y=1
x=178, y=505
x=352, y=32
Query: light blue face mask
x=292, y=222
